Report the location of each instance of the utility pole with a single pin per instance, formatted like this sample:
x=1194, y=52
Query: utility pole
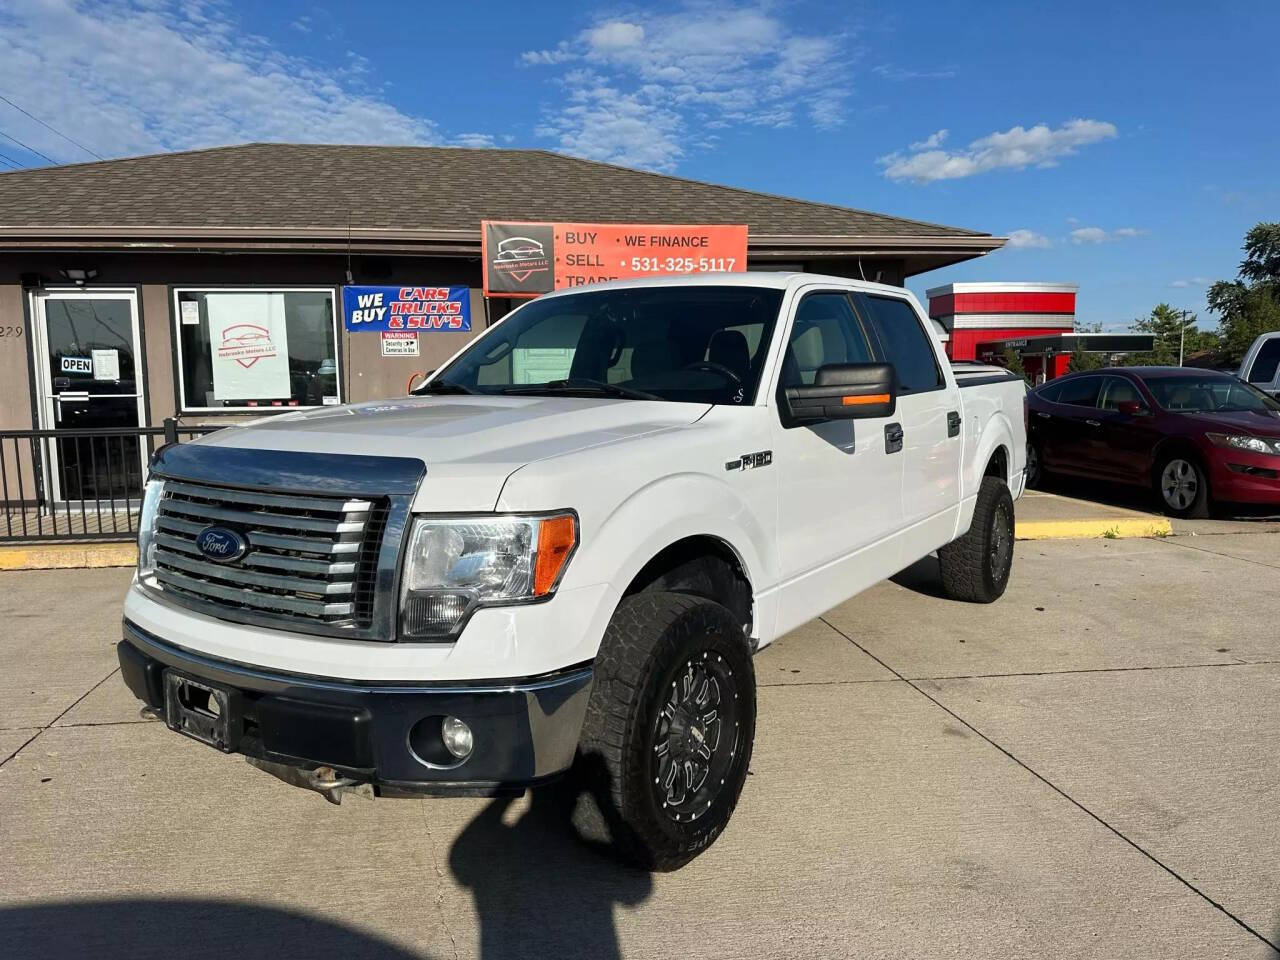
x=1182, y=335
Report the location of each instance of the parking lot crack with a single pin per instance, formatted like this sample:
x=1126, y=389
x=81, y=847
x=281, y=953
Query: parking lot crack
x=1060, y=791
x=1181, y=542
x=46, y=726
x=1236, y=662
x=440, y=882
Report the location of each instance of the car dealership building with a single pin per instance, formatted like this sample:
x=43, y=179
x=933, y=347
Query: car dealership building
x=113, y=274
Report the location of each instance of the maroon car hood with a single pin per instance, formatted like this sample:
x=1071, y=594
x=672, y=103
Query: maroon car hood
x=1258, y=424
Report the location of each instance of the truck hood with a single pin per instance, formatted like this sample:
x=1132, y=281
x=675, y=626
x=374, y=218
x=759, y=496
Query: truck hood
x=469, y=444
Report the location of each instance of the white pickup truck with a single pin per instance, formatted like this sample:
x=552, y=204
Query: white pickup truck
x=560, y=554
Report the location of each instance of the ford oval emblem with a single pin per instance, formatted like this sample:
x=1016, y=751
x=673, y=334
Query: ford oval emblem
x=221, y=545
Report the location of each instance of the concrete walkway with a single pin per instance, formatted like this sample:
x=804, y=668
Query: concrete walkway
x=1084, y=769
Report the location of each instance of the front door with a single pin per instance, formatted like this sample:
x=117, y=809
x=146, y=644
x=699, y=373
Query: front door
x=840, y=486
x=89, y=375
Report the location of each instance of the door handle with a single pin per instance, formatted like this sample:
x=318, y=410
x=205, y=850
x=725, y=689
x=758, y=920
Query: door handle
x=953, y=424
x=1093, y=423
x=1042, y=415
x=893, y=437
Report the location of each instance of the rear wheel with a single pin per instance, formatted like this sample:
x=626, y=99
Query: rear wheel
x=1035, y=465
x=1182, y=487
x=976, y=567
x=669, y=729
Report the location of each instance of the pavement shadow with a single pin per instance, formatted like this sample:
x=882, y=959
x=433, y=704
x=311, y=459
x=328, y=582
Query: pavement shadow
x=540, y=890
x=1141, y=499
x=923, y=577
x=166, y=929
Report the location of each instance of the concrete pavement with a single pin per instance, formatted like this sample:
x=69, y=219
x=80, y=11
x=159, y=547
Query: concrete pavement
x=1084, y=769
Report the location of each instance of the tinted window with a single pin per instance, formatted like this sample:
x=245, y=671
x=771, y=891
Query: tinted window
x=687, y=343
x=1266, y=362
x=1050, y=391
x=1117, y=391
x=825, y=331
x=1081, y=392
x=904, y=343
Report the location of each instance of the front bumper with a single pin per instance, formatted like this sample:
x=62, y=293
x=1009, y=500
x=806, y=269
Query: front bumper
x=526, y=731
x=1238, y=476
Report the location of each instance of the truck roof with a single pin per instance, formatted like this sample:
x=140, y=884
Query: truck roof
x=748, y=278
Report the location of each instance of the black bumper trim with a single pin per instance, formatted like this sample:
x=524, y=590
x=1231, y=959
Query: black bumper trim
x=525, y=732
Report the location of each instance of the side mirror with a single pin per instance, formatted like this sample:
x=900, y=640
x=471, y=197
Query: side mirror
x=1131, y=408
x=844, y=391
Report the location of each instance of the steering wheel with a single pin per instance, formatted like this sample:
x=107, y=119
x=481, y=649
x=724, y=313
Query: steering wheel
x=713, y=367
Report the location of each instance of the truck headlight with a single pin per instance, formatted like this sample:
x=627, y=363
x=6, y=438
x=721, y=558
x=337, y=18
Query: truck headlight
x=1244, y=442
x=147, y=526
x=455, y=564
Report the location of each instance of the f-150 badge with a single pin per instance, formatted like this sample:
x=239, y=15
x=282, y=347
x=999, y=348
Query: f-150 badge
x=749, y=461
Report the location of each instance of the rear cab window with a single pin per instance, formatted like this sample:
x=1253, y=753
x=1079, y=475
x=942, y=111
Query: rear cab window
x=1266, y=362
x=903, y=342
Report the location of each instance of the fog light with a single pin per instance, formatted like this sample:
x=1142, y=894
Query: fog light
x=457, y=737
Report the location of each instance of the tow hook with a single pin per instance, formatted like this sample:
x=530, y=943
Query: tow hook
x=323, y=780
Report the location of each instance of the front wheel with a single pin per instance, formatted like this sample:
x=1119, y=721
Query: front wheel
x=1182, y=486
x=976, y=567
x=669, y=729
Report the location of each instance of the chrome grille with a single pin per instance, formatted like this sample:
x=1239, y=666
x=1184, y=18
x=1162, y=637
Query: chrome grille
x=312, y=560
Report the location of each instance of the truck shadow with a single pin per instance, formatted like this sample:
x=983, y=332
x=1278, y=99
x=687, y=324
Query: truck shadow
x=539, y=889
x=164, y=929
x=923, y=577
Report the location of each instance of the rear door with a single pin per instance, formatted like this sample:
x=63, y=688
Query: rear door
x=1070, y=426
x=929, y=412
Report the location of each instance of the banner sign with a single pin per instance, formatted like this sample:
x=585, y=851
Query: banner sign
x=424, y=309
x=529, y=259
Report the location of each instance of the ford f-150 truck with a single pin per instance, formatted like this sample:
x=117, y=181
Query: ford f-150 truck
x=560, y=553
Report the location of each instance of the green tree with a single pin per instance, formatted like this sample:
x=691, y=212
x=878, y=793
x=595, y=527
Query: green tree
x=1081, y=361
x=1166, y=325
x=1250, y=305
x=1013, y=362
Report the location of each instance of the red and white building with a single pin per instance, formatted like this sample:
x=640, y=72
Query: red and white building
x=978, y=314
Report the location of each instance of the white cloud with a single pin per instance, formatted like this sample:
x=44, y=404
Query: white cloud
x=1014, y=149
x=897, y=74
x=1089, y=235
x=472, y=140
x=140, y=76
x=642, y=89
x=1193, y=282
x=1027, y=238
x=1093, y=235
x=931, y=142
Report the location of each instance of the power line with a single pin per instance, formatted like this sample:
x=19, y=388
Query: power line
x=10, y=162
x=47, y=127
x=27, y=148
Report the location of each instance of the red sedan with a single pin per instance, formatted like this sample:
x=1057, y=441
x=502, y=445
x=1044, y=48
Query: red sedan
x=1195, y=437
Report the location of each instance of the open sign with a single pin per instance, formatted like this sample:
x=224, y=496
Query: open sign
x=77, y=365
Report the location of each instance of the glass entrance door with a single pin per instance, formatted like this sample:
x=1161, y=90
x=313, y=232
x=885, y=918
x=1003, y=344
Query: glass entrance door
x=91, y=380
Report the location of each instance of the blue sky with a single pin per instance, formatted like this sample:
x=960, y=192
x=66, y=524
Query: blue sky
x=1125, y=147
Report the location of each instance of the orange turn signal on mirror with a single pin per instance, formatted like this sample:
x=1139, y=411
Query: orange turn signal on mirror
x=868, y=398
x=557, y=536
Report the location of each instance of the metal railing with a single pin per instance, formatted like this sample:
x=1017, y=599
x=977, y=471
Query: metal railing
x=78, y=484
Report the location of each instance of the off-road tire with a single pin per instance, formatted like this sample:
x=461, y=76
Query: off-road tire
x=975, y=568
x=650, y=641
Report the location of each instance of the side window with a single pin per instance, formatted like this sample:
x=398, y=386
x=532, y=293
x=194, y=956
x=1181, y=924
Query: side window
x=1118, y=390
x=1266, y=362
x=1050, y=392
x=826, y=330
x=904, y=343
x=1081, y=392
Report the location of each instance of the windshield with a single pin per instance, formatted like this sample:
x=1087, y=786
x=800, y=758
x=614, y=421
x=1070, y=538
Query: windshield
x=695, y=344
x=1200, y=394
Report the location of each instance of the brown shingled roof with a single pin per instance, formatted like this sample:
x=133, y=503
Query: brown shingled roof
x=283, y=188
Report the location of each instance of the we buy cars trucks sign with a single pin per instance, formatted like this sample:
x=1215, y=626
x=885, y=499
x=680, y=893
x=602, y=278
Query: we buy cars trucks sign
x=529, y=259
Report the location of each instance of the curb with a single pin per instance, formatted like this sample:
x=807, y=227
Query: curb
x=61, y=556
x=1114, y=528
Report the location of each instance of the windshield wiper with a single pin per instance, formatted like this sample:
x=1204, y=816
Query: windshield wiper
x=442, y=387
x=583, y=385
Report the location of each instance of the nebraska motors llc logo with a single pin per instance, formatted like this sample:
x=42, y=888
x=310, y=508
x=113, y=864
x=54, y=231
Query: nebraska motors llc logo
x=520, y=262
x=246, y=344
